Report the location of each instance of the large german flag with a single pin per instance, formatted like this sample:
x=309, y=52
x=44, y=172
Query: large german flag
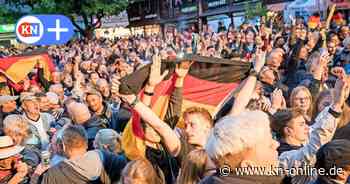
x=209, y=82
x=16, y=68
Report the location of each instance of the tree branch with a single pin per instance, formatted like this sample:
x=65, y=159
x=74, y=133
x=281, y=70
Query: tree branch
x=81, y=30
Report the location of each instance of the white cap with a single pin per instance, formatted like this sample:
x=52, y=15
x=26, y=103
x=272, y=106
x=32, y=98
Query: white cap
x=52, y=97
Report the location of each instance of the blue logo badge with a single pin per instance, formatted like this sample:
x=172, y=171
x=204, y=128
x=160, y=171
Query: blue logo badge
x=44, y=29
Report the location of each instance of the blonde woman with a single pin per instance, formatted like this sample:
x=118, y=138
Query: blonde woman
x=195, y=167
x=141, y=172
x=301, y=98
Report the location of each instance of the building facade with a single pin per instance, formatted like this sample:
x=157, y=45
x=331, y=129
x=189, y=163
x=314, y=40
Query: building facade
x=152, y=16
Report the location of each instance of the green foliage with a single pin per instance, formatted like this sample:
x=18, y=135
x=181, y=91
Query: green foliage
x=87, y=9
x=252, y=11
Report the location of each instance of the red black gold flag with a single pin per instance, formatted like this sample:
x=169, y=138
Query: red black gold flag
x=209, y=82
x=16, y=68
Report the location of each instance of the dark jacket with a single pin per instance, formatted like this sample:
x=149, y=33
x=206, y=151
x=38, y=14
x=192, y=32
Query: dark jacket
x=286, y=147
x=292, y=64
x=324, y=180
x=65, y=173
x=115, y=116
x=92, y=126
x=342, y=58
x=31, y=156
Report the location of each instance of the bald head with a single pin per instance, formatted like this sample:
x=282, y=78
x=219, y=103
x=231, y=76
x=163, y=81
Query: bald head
x=79, y=112
x=101, y=82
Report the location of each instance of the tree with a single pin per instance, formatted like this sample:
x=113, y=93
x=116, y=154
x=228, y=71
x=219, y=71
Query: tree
x=91, y=11
x=256, y=10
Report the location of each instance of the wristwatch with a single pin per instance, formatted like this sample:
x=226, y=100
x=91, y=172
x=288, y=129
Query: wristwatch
x=148, y=93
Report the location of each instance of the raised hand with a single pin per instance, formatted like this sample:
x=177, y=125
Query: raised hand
x=155, y=75
x=339, y=72
x=341, y=93
x=318, y=72
x=260, y=59
x=277, y=99
x=183, y=68
x=265, y=104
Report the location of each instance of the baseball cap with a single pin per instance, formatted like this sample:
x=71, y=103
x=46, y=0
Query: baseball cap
x=27, y=96
x=52, y=97
x=7, y=98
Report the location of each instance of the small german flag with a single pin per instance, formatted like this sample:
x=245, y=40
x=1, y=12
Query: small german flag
x=314, y=21
x=338, y=19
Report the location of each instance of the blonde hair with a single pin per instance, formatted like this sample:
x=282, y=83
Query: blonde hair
x=142, y=170
x=193, y=167
x=16, y=124
x=199, y=110
x=294, y=94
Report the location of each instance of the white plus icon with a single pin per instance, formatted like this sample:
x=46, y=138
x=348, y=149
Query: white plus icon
x=57, y=29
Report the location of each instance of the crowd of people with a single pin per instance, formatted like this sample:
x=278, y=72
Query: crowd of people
x=290, y=112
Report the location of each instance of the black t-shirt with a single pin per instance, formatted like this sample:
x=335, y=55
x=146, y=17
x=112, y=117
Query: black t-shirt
x=161, y=159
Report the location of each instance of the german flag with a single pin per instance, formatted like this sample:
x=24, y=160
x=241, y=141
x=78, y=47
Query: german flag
x=16, y=68
x=338, y=19
x=314, y=21
x=209, y=82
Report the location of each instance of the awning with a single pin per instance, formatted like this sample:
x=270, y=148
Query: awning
x=304, y=5
x=308, y=6
x=341, y=4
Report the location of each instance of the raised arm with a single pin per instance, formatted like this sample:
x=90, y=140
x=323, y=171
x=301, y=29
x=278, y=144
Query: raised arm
x=323, y=130
x=173, y=113
x=248, y=87
x=170, y=139
x=155, y=78
x=317, y=75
